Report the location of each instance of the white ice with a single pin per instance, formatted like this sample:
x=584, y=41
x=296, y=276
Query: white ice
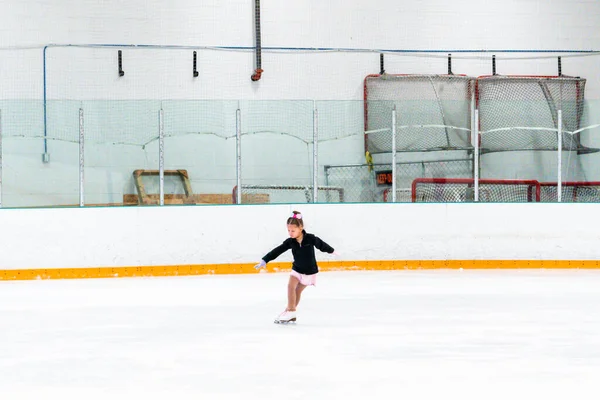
x=526, y=334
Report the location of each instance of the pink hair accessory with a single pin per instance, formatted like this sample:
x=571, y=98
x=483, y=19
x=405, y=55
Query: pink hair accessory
x=297, y=216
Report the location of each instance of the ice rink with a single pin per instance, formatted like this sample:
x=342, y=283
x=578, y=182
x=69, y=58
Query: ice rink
x=502, y=334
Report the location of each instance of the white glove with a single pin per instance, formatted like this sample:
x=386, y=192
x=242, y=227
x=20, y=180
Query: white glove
x=261, y=264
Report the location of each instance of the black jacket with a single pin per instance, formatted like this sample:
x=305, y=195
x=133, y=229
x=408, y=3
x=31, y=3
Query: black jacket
x=304, y=253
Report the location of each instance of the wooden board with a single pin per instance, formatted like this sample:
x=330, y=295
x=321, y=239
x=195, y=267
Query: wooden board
x=203, y=198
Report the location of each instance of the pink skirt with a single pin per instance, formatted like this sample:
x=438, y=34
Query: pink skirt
x=306, y=280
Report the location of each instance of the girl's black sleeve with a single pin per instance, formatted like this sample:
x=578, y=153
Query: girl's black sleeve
x=277, y=251
x=321, y=245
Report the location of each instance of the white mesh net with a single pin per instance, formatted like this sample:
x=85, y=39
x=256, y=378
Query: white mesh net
x=433, y=112
x=521, y=113
x=571, y=192
x=463, y=190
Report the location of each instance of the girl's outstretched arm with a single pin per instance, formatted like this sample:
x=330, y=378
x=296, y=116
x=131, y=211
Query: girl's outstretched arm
x=277, y=251
x=324, y=247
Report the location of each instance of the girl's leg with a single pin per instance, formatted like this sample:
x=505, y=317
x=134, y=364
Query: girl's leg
x=292, y=285
x=299, y=290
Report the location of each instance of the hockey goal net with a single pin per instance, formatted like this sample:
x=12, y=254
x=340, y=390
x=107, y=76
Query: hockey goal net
x=433, y=112
x=403, y=195
x=571, y=192
x=288, y=194
x=520, y=113
x=448, y=190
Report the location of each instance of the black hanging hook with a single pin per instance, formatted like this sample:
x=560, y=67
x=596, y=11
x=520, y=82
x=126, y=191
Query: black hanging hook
x=194, y=67
x=121, y=72
x=559, y=67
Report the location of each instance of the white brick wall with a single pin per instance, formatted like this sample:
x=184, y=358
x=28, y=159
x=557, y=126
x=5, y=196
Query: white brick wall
x=335, y=23
x=386, y=24
x=183, y=22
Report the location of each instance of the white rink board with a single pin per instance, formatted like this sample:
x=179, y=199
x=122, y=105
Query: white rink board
x=191, y=235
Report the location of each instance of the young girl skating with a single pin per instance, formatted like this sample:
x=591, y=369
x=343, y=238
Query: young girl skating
x=304, y=268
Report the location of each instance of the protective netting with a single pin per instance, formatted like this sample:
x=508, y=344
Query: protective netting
x=519, y=113
x=200, y=137
x=25, y=141
x=433, y=112
x=288, y=118
x=276, y=143
x=341, y=120
x=463, y=190
x=45, y=91
x=357, y=180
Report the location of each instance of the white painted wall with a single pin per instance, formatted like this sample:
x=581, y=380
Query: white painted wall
x=341, y=23
x=105, y=237
x=87, y=77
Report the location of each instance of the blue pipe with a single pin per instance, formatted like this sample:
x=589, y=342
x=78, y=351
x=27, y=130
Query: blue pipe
x=340, y=49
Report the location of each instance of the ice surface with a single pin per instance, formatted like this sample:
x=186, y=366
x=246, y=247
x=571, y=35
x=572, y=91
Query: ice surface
x=527, y=334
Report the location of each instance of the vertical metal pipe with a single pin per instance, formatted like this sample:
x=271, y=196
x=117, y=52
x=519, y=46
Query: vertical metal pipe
x=394, y=154
x=559, y=172
x=258, y=46
x=238, y=161
x=476, y=156
x=81, y=160
x=1, y=160
x=315, y=177
x=45, y=157
x=161, y=157
x=472, y=122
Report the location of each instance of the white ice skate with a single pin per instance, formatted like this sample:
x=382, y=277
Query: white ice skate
x=286, y=317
